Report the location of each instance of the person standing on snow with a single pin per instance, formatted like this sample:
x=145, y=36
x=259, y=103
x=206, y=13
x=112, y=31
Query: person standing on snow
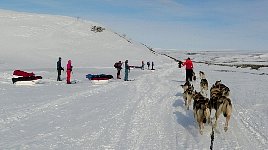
x=126, y=70
x=152, y=65
x=69, y=70
x=189, y=69
x=142, y=65
x=148, y=64
x=118, y=66
x=59, y=68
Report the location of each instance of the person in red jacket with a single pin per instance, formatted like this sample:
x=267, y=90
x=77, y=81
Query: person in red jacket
x=69, y=70
x=189, y=69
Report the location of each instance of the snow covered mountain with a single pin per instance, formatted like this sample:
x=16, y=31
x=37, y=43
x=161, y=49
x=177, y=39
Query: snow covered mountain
x=144, y=114
x=31, y=40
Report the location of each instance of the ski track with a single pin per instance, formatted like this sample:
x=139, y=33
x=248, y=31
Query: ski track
x=146, y=121
x=142, y=124
x=155, y=118
x=26, y=113
x=11, y=121
x=249, y=127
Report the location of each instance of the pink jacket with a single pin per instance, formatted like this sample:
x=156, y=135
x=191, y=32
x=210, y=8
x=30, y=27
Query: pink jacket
x=69, y=65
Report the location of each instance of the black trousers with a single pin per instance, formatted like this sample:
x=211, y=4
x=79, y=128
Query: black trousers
x=59, y=73
x=189, y=74
x=118, y=73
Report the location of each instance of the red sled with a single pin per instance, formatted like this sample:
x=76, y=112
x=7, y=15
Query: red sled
x=23, y=73
x=24, y=78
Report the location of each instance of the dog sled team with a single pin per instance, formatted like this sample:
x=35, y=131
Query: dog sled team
x=202, y=105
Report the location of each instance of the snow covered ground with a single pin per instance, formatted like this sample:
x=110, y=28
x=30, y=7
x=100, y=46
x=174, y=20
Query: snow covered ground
x=146, y=113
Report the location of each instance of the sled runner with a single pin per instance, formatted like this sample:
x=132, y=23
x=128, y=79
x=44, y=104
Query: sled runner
x=99, y=80
x=24, y=78
x=30, y=82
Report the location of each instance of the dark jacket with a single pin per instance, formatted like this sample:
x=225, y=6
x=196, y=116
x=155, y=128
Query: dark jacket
x=119, y=65
x=126, y=65
x=59, y=67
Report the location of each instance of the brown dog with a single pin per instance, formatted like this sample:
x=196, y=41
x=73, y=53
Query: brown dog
x=188, y=96
x=201, y=110
x=221, y=103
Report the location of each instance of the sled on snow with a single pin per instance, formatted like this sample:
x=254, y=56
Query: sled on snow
x=133, y=67
x=99, y=79
x=25, y=78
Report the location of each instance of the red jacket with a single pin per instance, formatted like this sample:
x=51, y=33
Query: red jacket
x=69, y=65
x=189, y=64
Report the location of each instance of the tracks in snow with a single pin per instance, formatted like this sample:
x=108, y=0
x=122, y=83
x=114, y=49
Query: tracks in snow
x=50, y=105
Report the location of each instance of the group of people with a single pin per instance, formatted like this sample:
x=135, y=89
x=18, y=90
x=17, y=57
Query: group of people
x=188, y=66
x=148, y=65
x=68, y=71
x=118, y=65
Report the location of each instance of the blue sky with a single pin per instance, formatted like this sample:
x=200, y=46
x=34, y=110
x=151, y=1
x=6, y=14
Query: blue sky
x=169, y=24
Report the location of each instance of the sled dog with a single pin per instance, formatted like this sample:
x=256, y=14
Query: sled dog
x=201, y=109
x=218, y=86
x=221, y=103
x=186, y=85
x=202, y=75
x=193, y=76
x=188, y=96
x=204, y=87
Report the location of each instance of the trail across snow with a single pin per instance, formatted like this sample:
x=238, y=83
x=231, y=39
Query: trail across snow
x=147, y=113
x=119, y=115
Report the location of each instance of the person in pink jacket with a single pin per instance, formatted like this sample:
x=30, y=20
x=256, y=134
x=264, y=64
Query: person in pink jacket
x=69, y=70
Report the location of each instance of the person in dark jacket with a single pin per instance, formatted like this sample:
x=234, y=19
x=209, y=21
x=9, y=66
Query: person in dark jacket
x=59, y=68
x=148, y=64
x=118, y=67
x=189, y=69
x=126, y=70
x=152, y=65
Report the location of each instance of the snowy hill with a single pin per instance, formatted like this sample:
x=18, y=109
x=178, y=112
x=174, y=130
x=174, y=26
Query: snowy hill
x=38, y=40
x=147, y=113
